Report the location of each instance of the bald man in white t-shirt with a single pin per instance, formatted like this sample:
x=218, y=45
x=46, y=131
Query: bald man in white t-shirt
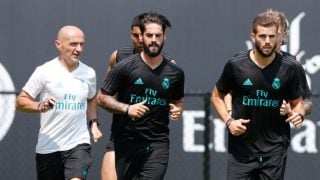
x=66, y=88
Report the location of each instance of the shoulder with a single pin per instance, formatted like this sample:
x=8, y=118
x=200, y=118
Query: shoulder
x=239, y=57
x=128, y=61
x=173, y=66
x=112, y=58
x=166, y=56
x=124, y=52
x=241, y=53
x=87, y=70
x=286, y=54
x=289, y=60
x=126, y=48
x=49, y=65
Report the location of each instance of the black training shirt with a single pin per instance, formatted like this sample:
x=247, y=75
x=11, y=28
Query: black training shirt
x=134, y=81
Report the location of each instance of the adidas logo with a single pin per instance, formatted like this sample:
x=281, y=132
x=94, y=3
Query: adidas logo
x=59, y=85
x=139, y=81
x=247, y=82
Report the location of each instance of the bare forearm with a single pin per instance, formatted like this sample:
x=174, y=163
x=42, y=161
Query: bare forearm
x=217, y=100
x=228, y=102
x=92, y=110
x=26, y=105
x=307, y=104
x=110, y=104
x=298, y=106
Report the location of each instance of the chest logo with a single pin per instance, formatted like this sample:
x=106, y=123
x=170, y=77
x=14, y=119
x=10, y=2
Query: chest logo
x=139, y=81
x=247, y=82
x=276, y=83
x=165, y=83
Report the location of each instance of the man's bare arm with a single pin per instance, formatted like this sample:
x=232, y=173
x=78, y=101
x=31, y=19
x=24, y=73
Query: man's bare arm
x=112, y=61
x=111, y=104
x=218, y=102
x=307, y=104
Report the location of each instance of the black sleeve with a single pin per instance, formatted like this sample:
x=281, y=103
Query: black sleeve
x=178, y=92
x=306, y=92
x=112, y=82
x=295, y=86
x=224, y=82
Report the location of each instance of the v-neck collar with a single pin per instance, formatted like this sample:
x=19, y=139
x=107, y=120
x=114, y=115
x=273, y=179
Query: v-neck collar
x=152, y=69
x=262, y=68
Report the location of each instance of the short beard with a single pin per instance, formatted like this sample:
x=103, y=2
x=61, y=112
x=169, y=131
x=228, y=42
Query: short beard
x=152, y=54
x=262, y=53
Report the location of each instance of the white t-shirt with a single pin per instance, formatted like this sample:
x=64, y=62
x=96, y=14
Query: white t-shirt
x=65, y=126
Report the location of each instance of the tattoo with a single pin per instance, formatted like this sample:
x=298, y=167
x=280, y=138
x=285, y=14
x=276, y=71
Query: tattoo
x=113, y=105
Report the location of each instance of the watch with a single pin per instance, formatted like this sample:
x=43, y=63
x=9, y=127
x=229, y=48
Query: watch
x=92, y=121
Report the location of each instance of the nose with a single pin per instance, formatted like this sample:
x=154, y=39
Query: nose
x=154, y=38
x=268, y=40
x=79, y=47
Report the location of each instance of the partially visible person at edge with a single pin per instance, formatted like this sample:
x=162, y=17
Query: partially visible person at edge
x=108, y=171
x=259, y=80
x=67, y=90
x=282, y=40
x=150, y=92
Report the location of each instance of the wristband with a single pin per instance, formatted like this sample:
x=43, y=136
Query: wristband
x=301, y=116
x=127, y=110
x=228, y=122
x=92, y=121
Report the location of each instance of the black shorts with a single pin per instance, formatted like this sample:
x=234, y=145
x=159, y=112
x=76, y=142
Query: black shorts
x=63, y=165
x=141, y=161
x=270, y=167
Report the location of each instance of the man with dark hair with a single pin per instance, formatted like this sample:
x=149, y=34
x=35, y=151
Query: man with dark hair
x=108, y=171
x=259, y=80
x=125, y=52
x=149, y=91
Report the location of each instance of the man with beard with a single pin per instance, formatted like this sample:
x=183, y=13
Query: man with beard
x=108, y=171
x=259, y=80
x=149, y=92
x=67, y=89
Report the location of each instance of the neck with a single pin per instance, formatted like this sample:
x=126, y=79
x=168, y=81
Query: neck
x=70, y=66
x=152, y=62
x=260, y=60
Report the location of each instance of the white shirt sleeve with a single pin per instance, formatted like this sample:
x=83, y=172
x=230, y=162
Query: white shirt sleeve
x=34, y=85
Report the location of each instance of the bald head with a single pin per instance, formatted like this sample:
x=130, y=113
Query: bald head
x=70, y=42
x=67, y=31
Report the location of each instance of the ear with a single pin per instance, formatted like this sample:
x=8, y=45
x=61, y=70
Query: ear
x=253, y=39
x=58, y=44
x=165, y=36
